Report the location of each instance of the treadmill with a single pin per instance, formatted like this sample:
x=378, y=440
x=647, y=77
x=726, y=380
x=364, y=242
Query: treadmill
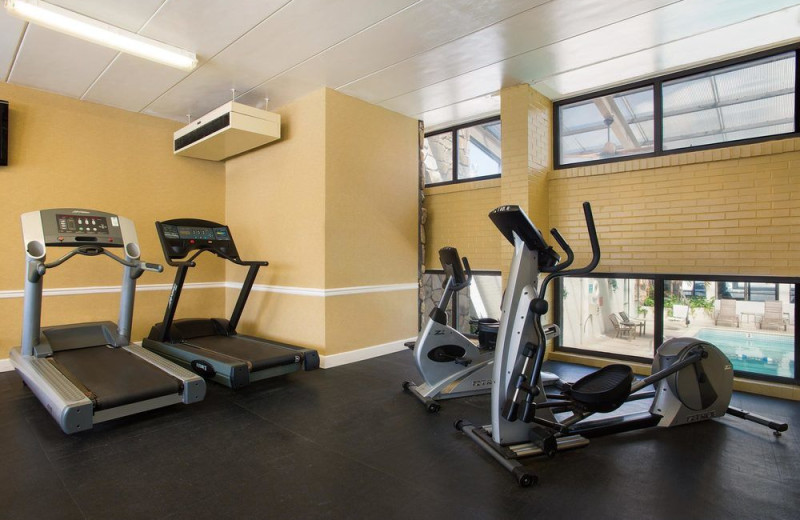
x=211, y=347
x=87, y=373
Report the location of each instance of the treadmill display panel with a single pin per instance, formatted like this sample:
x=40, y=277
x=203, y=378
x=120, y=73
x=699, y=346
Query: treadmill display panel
x=195, y=233
x=82, y=224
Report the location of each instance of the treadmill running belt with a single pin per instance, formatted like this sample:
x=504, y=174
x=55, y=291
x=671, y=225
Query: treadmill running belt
x=259, y=354
x=116, y=376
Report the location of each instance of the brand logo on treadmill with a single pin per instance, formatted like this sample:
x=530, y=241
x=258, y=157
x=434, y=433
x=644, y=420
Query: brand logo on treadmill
x=80, y=212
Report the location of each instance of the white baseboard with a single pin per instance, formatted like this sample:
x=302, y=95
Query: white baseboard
x=335, y=360
x=5, y=365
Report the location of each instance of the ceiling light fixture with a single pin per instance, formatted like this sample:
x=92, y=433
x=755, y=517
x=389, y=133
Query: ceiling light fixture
x=90, y=30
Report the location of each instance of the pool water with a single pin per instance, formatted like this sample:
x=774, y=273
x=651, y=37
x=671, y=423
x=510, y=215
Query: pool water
x=769, y=354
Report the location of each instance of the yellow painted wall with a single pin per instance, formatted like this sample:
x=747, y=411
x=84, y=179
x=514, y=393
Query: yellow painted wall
x=331, y=205
x=65, y=152
x=458, y=217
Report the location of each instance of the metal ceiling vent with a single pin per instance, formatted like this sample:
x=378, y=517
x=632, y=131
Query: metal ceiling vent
x=229, y=130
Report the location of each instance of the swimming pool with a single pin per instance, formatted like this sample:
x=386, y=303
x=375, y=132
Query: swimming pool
x=769, y=354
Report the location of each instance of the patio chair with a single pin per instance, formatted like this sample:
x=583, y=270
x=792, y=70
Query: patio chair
x=620, y=329
x=626, y=320
x=680, y=313
x=727, y=314
x=773, y=316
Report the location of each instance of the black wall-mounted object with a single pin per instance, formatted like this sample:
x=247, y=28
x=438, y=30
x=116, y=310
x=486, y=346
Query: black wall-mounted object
x=3, y=133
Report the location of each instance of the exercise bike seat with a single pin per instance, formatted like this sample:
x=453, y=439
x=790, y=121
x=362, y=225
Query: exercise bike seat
x=604, y=390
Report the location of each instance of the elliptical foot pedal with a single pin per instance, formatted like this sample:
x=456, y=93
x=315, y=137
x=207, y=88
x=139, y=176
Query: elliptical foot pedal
x=604, y=390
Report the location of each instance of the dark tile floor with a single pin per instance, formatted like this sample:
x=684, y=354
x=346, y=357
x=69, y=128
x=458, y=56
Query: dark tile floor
x=349, y=443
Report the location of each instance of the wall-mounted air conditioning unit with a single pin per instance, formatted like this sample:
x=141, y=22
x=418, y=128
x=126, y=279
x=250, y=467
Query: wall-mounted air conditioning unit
x=229, y=130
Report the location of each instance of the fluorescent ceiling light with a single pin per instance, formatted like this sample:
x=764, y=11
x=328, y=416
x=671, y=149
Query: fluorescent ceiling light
x=90, y=30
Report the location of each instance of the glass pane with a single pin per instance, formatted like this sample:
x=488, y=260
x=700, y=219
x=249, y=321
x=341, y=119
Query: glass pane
x=482, y=299
x=616, y=125
x=611, y=315
x=756, y=335
x=437, y=154
x=762, y=292
x=738, y=102
x=479, y=151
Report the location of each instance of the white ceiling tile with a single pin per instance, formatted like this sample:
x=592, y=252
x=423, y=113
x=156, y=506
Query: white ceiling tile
x=532, y=29
x=623, y=38
x=51, y=61
x=762, y=32
x=131, y=83
x=461, y=112
x=419, y=28
x=126, y=14
x=293, y=34
x=205, y=27
x=10, y=34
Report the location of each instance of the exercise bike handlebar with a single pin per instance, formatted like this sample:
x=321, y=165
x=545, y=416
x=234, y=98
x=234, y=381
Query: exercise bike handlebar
x=565, y=247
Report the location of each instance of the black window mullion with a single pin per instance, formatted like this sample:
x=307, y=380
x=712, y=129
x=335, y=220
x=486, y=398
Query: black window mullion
x=455, y=155
x=658, y=117
x=796, y=97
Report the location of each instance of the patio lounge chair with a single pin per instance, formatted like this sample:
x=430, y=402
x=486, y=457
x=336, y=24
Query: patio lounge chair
x=727, y=314
x=773, y=316
x=620, y=329
x=626, y=320
x=680, y=313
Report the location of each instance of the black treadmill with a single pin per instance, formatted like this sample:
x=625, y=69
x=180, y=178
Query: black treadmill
x=211, y=347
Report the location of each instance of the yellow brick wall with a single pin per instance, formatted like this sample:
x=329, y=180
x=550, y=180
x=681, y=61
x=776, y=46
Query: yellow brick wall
x=733, y=210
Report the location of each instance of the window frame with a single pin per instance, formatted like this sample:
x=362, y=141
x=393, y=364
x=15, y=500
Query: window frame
x=657, y=84
x=453, y=130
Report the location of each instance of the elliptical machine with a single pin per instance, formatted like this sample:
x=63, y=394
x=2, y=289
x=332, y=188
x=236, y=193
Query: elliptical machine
x=693, y=379
x=452, y=365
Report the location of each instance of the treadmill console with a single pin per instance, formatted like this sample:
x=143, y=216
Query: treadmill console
x=78, y=227
x=179, y=237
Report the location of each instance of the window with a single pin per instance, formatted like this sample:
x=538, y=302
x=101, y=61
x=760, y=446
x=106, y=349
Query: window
x=751, y=320
x=747, y=291
x=745, y=99
x=476, y=154
x=615, y=125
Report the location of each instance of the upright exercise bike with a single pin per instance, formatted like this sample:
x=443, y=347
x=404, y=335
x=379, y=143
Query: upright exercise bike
x=452, y=365
x=693, y=379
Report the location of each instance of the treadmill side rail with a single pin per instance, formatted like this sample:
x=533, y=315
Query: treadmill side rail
x=194, y=386
x=71, y=409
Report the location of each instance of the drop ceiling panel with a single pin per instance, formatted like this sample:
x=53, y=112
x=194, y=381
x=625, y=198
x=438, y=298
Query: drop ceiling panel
x=10, y=35
x=204, y=27
x=533, y=29
x=295, y=33
x=127, y=14
x=765, y=31
x=131, y=83
x=587, y=54
x=51, y=61
x=414, y=30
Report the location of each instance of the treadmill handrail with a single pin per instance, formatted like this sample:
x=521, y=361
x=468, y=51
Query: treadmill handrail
x=190, y=261
x=97, y=250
